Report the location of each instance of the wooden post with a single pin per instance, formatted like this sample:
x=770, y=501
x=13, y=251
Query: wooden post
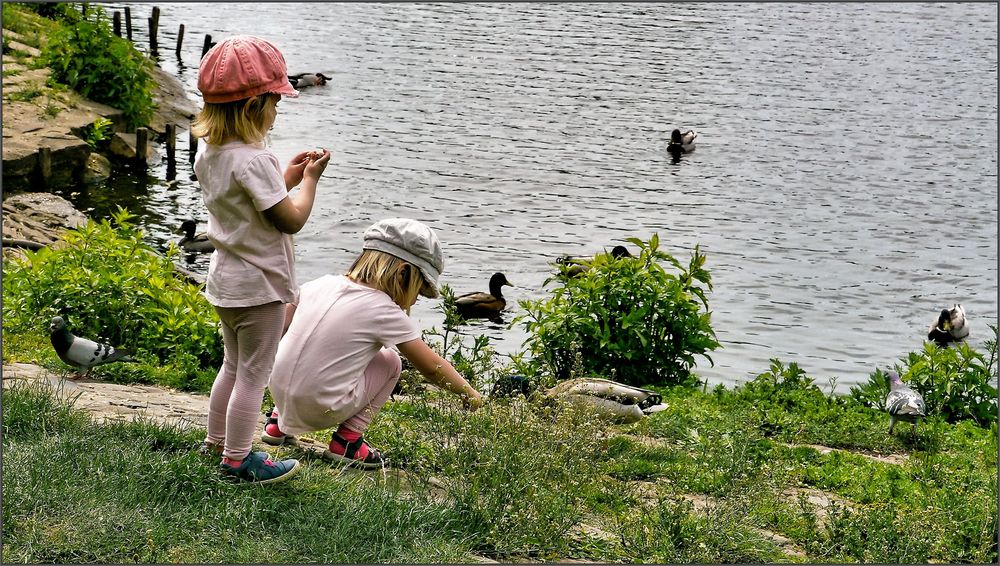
x=154, y=23
x=180, y=40
x=171, y=151
x=192, y=145
x=45, y=165
x=207, y=45
x=141, y=144
x=128, y=23
x=118, y=23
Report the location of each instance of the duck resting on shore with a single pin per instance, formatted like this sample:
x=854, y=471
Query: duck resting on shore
x=681, y=143
x=484, y=305
x=192, y=242
x=303, y=80
x=949, y=326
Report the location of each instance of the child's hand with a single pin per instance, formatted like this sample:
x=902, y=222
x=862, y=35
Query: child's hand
x=316, y=163
x=472, y=402
x=295, y=169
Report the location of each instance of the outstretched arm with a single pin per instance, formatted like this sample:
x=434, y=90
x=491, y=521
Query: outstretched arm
x=439, y=372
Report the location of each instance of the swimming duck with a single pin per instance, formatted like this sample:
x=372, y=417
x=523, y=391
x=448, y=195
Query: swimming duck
x=681, y=143
x=194, y=243
x=950, y=326
x=484, y=305
x=575, y=266
x=303, y=80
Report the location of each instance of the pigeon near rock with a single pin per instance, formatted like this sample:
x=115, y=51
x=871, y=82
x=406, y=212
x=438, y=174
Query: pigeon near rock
x=82, y=353
x=903, y=403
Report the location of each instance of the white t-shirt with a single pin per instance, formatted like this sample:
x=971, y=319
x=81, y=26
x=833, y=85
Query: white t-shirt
x=339, y=326
x=253, y=263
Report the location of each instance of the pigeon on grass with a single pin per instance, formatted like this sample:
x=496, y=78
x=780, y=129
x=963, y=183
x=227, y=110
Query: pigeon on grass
x=903, y=403
x=81, y=353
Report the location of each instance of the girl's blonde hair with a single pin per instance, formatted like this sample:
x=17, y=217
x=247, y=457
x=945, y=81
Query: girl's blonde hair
x=247, y=119
x=399, y=279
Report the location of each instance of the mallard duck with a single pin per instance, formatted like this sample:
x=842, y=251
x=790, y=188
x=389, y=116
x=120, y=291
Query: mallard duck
x=575, y=266
x=484, y=305
x=616, y=402
x=681, y=143
x=303, y=80
x=194, y=243
x=949, y=326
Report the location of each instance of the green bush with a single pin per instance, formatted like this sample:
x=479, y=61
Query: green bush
x=89, y=58
x=626, y=319
x=954, y=381
x=108, y=284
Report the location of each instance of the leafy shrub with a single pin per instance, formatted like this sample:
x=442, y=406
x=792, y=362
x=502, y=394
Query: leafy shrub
x=627, y=319
x=98, y=133
x=108, y=284
x=89, y=58
x=954, y=381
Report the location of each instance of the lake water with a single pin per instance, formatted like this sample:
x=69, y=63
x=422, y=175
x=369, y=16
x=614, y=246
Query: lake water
x=844, y=186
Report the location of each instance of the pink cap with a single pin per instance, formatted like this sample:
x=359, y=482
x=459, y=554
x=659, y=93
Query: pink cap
x=243, y=66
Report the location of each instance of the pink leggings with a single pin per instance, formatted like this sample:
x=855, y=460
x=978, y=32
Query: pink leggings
x=381, y=376
x=250, y=339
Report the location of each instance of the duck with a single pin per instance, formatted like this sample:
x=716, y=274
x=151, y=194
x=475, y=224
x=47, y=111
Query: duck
x=572, y=267
x=484, y=305
x=617, y=402
x=194, y=243
x=303, y=80
x=950, y=326
x=681, y=143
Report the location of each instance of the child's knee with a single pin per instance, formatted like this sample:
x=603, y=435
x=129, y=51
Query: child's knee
x=393, y=362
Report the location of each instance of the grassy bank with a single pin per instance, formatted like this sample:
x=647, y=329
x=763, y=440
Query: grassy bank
x=721, y=476
x=776, y=470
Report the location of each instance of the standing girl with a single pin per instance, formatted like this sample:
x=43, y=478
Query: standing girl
x=250, y=221
x=337, y=364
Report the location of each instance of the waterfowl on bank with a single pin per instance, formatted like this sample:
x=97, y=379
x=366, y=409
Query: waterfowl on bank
x=949, y=326
x=192, y=242
x=616, y=402
x=681, y=143
x=903, y=403
x=571, y=267
x=82, y=353
x=484, y=305
x=303, y=80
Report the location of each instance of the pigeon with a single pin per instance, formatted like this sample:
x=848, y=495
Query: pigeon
x=81, y=353
x=903, y=403
x=950, y=326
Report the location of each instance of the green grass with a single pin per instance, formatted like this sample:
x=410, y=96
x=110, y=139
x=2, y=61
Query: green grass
x=518, y=480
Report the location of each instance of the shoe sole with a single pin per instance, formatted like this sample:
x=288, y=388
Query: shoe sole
x=351, y=462
x=279, y=479
x=277, y=440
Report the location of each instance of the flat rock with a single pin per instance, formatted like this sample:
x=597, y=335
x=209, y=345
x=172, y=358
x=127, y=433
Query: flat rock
x=39, y=217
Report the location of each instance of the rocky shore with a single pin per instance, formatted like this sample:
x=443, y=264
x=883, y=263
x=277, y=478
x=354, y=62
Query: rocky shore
x=38, y=117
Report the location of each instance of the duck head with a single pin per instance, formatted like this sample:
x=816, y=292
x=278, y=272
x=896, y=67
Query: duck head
x=188, y=227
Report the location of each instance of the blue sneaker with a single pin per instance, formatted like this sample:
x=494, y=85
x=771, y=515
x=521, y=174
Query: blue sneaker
x=258, y=467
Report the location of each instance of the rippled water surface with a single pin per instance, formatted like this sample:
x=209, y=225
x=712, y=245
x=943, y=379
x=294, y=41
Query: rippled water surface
x=844, y=185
